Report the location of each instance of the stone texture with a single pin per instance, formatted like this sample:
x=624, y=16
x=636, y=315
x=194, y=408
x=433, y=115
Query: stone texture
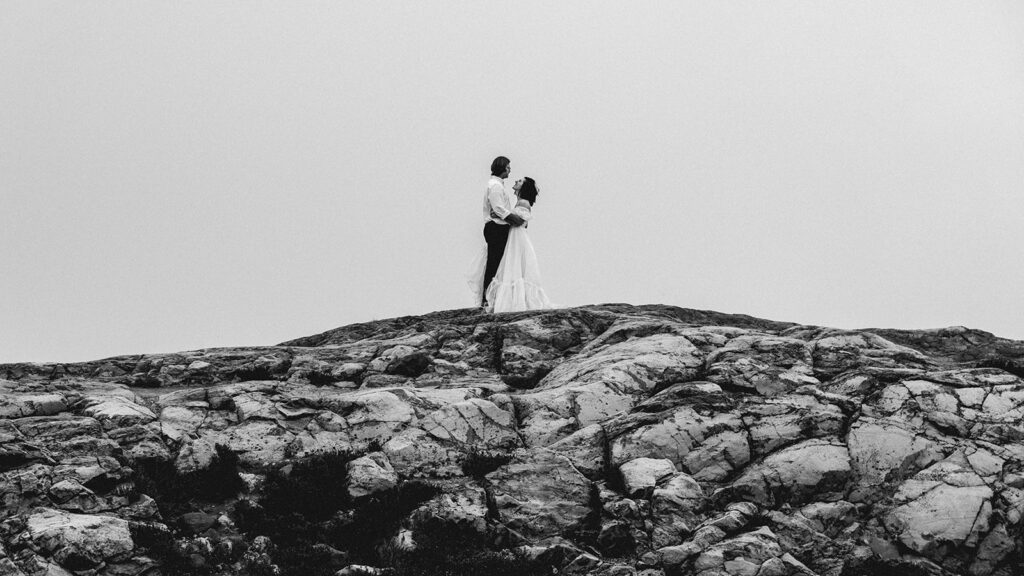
x=709, y=445
x=474, y=422
x=370, y=474
x=670, y=441
x=946, y=503
x=78, y=541
x=763, y=363
x=812, y=468
x=540, y=494
x=641, y=475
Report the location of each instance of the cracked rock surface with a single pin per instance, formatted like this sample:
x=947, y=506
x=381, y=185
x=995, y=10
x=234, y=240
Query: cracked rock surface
x=630, y=440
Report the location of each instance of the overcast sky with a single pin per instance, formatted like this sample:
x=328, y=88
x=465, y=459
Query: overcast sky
x=182, y=175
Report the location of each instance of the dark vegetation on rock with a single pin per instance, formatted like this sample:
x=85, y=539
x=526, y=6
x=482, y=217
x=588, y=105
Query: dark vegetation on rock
x=606, y=440
x=178, y=492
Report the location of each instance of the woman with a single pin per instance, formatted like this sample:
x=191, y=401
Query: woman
x=516, y=285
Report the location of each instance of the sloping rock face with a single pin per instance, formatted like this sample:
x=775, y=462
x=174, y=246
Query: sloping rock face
x=633, y=440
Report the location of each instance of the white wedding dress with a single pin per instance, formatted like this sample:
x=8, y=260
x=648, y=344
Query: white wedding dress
x=516, y=285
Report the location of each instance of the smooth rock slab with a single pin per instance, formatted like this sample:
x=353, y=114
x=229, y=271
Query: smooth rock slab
x=816, y=468
x=475, y=421
x=23, y=405
x=179, y=422
x=945, y=503
x=540, y=494
x=116, y=412
x=878, y=448
x=78, y=541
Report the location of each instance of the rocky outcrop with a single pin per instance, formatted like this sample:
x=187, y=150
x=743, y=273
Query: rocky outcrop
x=604, y=440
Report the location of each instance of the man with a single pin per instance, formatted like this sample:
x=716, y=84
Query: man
x=498, y=205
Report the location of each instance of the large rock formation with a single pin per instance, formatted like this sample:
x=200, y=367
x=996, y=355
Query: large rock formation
x=614, y=440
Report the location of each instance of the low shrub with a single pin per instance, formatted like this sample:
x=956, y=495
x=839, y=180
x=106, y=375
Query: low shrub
x=161, y=546
x=177, y=493
x=306, y=503
x=317, y=528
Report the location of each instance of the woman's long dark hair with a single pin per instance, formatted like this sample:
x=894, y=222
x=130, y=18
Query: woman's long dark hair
x=528, y=191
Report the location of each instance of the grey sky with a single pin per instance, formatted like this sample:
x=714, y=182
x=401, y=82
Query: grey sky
x=180, y=175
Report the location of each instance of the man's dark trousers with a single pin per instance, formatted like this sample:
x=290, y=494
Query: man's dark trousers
x=496, y=236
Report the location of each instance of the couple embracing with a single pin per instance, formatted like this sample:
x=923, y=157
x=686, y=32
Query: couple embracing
x=505, y=276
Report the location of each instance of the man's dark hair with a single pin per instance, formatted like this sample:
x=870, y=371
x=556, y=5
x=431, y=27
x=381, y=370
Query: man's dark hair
x=528, y=191
x=499, y=165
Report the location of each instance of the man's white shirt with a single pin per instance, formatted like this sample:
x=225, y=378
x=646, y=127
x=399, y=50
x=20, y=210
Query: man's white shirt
x=497, y=200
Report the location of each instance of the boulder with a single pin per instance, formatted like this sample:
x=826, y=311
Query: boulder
x=540, y=494
x=742, y=555
x=15, y=405
x=461, y=505
x=776, y=422
x=78, y=541
x=414, y=453
x=640, y=475
x=401, y=360
x=837, y=351
x=257, y=442
x=370, y=474
x=764, y=363
x=476, y=422
x=883, y=448
x=816, y=468
x=585, y=448
x=710, y=446
x=675, y=507
x=606, y=378
x=117, y=408
x=944, y=504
